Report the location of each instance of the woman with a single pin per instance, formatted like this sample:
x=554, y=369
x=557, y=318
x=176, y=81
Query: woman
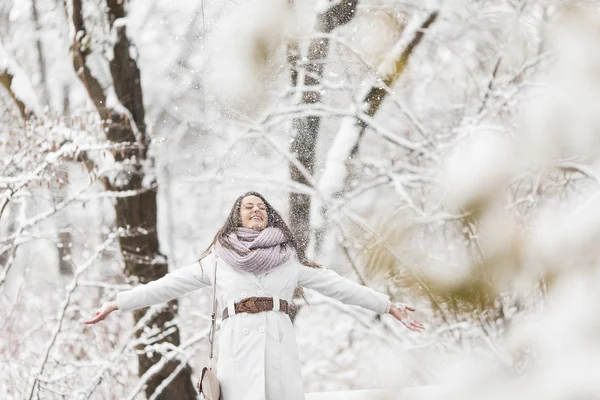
x=258, y=268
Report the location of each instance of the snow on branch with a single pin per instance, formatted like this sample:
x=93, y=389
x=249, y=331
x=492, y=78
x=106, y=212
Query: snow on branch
x=16, y=82
x=352, y=127
x=362, y=118
x=79, y=196
x=115, y=357
x=61, y=315
x=234, y=180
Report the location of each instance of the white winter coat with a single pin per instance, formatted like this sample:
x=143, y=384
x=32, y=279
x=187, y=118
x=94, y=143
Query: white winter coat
x=258, y=355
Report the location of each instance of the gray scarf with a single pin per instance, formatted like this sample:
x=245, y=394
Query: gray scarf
x=255, y=251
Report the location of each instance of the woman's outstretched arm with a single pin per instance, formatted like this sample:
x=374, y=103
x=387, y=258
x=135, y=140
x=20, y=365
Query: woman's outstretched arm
x=172, y=285
x=331, y=284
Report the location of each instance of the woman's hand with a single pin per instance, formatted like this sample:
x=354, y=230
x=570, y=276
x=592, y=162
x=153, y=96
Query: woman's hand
x=400, y=312
x=103, y=312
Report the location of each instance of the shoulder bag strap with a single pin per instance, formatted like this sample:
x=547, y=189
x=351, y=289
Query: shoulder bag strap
x=213, y=322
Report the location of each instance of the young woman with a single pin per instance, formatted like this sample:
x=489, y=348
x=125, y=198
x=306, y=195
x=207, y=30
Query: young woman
x=258, y=268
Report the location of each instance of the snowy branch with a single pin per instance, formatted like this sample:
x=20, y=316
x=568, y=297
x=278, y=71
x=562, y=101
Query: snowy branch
x=70, y=289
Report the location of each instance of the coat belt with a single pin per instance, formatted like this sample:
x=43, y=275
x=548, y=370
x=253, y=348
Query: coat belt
x=255, y=305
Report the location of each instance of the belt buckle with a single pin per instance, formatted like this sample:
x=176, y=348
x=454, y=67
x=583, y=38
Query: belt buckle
x=248, y=304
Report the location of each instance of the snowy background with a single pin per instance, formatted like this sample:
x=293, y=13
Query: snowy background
x=455, y=166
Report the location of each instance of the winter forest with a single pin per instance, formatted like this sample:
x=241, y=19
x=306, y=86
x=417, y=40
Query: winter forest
x=446, y=153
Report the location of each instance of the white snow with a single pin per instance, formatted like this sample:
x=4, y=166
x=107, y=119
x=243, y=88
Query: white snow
x=112, y=101
x=98, y=66
x=332, y=179
x=387, y=67
x=413, y=393
x=519, y=148
x=21, y=84
x=477, y=169
x=246, y=51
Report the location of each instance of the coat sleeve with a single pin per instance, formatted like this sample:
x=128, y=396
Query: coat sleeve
x=172, y=285
x=329, y=283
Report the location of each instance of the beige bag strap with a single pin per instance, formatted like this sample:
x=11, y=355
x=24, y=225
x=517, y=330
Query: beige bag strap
x=213, y=320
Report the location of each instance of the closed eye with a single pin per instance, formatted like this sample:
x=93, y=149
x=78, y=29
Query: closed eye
x=250, y=206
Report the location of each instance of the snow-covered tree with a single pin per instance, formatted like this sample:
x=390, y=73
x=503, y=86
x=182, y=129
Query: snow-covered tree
x=443, y=152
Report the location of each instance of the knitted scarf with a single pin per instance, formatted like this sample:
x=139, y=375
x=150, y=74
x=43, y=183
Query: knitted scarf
x=255, y=251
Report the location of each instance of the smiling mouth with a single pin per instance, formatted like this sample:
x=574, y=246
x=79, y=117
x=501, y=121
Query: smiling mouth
x=256, y=218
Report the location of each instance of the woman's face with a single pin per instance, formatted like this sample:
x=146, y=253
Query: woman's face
x=253, y=213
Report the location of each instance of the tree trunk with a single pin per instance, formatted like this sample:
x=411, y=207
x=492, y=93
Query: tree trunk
x=65, y=266
x=6, y=79
x=25, y=99
x=66, y=103
x=7, y=228
x=40, y=54
x=307, y=128
x=135, y=215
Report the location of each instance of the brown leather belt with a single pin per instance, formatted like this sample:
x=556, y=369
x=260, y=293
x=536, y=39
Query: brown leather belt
x=255, y=305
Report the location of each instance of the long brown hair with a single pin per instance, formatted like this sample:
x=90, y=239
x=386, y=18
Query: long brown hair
x=234, y=221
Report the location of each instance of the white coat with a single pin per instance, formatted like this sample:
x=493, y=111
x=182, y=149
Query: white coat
x=258, y=355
